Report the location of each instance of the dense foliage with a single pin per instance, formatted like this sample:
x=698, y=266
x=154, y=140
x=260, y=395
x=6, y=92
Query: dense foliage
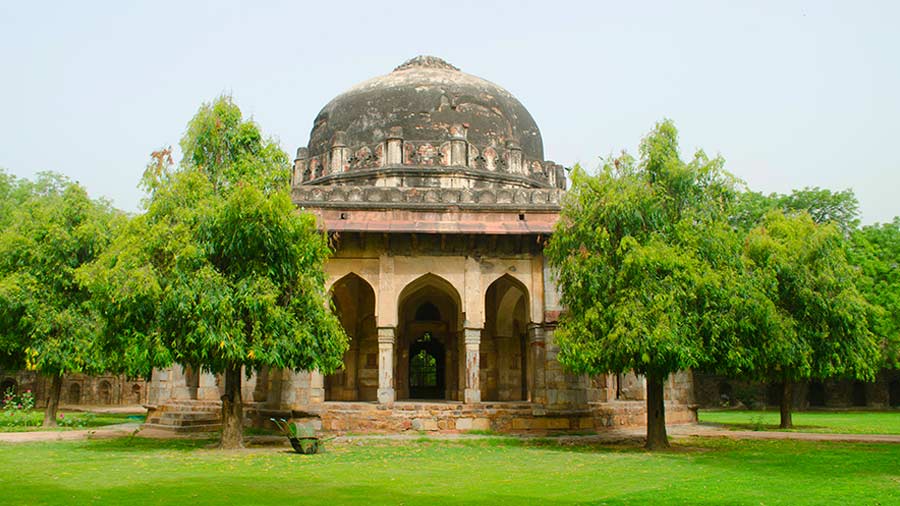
x=645, y=258
x=819, y=327
x=875, y=251
x=48, y=321
x=221, y=272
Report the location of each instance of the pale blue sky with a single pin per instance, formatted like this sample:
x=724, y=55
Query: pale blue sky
x=792, y=94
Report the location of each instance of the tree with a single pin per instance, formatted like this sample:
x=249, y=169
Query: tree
x=875, y=251
x=221, y=273
x=823, y=205
x=48, y=322
x=818, y=328
x=644, y=259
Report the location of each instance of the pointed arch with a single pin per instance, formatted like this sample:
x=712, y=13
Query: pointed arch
x=503, y=348
x=353, y=298
x=429, y=316
x=429, y=280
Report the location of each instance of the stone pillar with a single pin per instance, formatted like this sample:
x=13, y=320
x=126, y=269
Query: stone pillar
x=458, y=153
x=298, y=175
x=159, y=390
x=394, y=147
x=473, y=381
x=339, y=153
x=300, y=390
x=386, y=339
x=537, y=351
x=207, y=389
x=316, y=387
x=178, y=387
x=514, y=158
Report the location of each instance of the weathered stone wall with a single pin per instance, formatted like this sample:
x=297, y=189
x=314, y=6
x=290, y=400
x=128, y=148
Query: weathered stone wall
x=719, y=391
x=79, y=389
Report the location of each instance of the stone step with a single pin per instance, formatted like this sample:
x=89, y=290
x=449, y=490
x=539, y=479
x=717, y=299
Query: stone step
x=190, y=423
x=184, y=429
x=196, y=415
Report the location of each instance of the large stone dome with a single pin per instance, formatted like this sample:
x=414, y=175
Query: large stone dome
x=425, y=124
x=426, y=97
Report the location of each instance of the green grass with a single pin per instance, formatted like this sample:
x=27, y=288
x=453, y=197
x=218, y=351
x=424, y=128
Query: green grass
x=837, y=422
x=36, y=417
x=482, y=471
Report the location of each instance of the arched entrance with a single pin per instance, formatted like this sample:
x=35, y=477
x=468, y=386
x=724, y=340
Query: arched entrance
x=894, y=393
x=104, y=392
x=815, y=396
x=354, y=303
x=858, y=395
x=503, y=364
x=74, y=394
x=428, y=343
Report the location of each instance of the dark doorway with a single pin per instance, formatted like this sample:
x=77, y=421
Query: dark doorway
x=74, y=393
x=894, y=393
x=8, y=385
x=858, y=394
x=104, y=393
x=426, y=369
x=774, y=393
x=726, y=393
x=816, y=394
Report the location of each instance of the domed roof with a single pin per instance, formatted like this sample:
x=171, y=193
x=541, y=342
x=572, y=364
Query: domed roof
x=427, y=100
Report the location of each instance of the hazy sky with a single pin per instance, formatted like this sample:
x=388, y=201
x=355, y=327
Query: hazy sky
x=792, y=94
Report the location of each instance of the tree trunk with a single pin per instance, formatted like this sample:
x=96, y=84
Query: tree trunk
x=656, y=413
x=787, y=401
x=53, y=401
x=232, y=410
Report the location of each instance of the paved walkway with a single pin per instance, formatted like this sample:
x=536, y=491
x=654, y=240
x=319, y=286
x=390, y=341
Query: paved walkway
x=610, y=436
x=105, y=432
x=704, y=430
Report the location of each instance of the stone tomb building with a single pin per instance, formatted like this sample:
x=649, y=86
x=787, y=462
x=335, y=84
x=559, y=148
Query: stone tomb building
x=433, y=186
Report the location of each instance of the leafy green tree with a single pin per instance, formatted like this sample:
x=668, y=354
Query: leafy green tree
x=221, y=273
x=645, y=260
x=48, y=322
x=875, y=250
x=819, y=327
x=823, y=205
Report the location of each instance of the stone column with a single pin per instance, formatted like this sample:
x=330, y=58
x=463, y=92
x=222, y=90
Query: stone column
x=394, y=147
x=316, y=387
x=300, y=390
x=458, y=146
x=159, y=390
x=207, y=389
x=339, y=153
x=514, y=158
x=297, y=176
x=178, y=383
x=473, y=349
x=537, y=379
x=386, y=339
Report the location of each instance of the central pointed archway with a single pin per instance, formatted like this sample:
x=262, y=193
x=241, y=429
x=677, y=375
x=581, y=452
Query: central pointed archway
x=428, y=340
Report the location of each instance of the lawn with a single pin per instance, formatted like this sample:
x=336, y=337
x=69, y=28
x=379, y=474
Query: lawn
x=838, y=422
x=486, y=471
x=79, y=420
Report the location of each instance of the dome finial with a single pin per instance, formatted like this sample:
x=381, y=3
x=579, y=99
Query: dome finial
x=432, y=62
